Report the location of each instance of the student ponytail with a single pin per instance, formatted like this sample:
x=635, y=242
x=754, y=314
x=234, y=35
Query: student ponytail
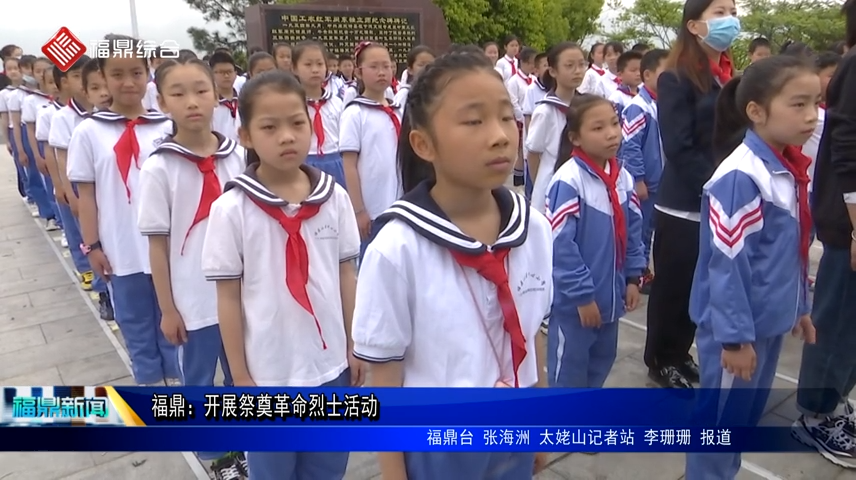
x=760, y=83
x=424, y=92
x=573, y=121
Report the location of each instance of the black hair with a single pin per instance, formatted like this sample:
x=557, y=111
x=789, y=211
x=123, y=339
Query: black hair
x=651, y=61
x=58, y=74
x=471, y=49
x=7, y=51
x=759, y=83
x=488, y=44
x=206, y=57
x=510, y=38
x=346, y=57
x=573, y=122
x=540, y=56
x=277, y=81
x=641, y=47
x=795, y=48
x=278, y=46
x=185, y=54
x=218, y=58
x=415, y=52
x=849, y=12
x=328, y=55
x=419, y=109
x=839, y=47
x=112, y=40
x=223, y=49
x=758, y=42
x=254, y=50
x=826, y=60
x=553, y=61
x=26, y=61
x=527, y=54
x=164, y=69
x=256, y=58
x=92, y=66
x=628, y=57
x=301, y=48
x=615, y=46
x=590, y=56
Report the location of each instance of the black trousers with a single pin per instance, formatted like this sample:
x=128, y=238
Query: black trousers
x=670, y=330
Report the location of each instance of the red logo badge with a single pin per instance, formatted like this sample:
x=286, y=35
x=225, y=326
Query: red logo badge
x=63, y=49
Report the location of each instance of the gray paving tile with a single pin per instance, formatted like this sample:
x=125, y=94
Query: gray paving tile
x=20, y=339
x=27, y=316
x=139, y=466
x=33, y=466
x=94, y=370
x=56, y=353
x=619, y=466
x=70, y=327
x=46, y=376
x=63, y=295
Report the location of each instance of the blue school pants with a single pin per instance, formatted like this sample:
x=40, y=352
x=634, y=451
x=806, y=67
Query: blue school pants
x=197, y=359
x=528, y=184
x=302, y=465
x=71, y=227
x=35, y=183
x=49, y=188
x=23, y=189
x=579, y=357
x=470, y=465
x=153, y=358
x=731, y=400
x=648, y=224
x=330, y=163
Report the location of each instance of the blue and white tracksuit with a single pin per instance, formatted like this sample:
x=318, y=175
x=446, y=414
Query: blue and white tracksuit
x=748, y=287
x=585, y=269
x=641, y=154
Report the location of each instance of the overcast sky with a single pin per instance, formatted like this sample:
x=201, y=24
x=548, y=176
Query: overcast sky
x=158, y=20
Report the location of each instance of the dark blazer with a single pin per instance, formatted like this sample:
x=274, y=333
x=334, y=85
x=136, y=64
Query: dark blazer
x=686, y=118
x=835, y=171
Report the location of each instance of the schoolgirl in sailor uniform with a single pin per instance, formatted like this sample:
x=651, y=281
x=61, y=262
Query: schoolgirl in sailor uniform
x=543, y=138
x=104, y=158
x=226, y=120
x=27, y=103
x=593, y=82
x=597, y=249
x=8, y=133
x=508, y=65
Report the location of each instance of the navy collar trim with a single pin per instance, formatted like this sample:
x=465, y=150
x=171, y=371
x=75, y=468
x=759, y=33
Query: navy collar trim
x=108, y=116
x=79, y=110
x=419, y=210
x=552, y=99
x=326, y=94
x=227, y=147
x=371, y=103
x=321, y=183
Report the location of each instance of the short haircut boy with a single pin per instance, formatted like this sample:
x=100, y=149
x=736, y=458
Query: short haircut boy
x=759, y=42
x=826, y=60
x=627, y=57
x=641, y=47
x=88, y=69
x=58, y=74
x=527, y=55
x=651, y=61
x=219, y=58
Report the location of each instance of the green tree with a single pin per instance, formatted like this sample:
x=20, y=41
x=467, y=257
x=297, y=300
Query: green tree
x=817, y=23
x=654, y=22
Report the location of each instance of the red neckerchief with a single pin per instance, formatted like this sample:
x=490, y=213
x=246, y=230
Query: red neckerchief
x=127, y=150
x=394, y=85
x=326, y=81
x=611, y=181
x=723, y=70
x=231, y=104
x=797, y=164
x=211, y=190
x=822, y=105
x=318, y=121
x=616, y=80
x=390, y=112
x=597, y=70
x=650, y=93
x=511, y=61
x=526, y=78
x=491, y=266
x=296, y=254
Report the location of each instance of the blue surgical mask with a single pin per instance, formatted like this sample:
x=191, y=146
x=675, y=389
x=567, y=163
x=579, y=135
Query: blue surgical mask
x=721, y=32
x=29, y=80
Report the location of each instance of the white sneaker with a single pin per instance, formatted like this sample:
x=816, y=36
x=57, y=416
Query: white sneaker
x=63, y=241
x=173, y=382
x=50, y=225
x=34, y=213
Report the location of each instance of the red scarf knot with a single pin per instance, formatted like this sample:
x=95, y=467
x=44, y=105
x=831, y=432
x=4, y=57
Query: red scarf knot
x=127, y=151
x=211, y=190
x=797, y=164
x=722, y=70
x=616, y=80
x=232, y=105
x=599, y=71
x=822, y=105
x=390, y=112
x=491, y=267
x=610, y=180
x=513, y=62
x=318, y=122
x=652, y=94
x=526, y=78
x=296, y=254
x=394, y=85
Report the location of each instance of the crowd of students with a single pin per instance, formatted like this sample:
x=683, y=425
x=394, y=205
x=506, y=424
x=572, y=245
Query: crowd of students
x=224, y=217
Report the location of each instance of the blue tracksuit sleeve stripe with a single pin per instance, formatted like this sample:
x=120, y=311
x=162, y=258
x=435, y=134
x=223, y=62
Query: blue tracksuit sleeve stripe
x=730, y=225
x=572, y=282
x=635, y=262
x=634, y=126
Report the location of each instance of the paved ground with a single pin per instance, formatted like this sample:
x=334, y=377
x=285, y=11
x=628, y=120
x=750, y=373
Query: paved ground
x=50, y=335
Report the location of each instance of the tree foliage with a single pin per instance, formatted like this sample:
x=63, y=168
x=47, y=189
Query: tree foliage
x=538, y=23
x=655, y=22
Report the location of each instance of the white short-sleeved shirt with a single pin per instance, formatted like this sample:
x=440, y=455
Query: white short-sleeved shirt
x=240, y=80
x=31, y=105
x=416, y=304
x=334, y=84
x=517, y=86
x=534, y=94
x=329, y=111
x=813, y=143
x=63, y=124
x=507, y=67
x=593, y=82
x=44, y=119
x=150, y=100
x=170, y=194
x=15, y=100
x=610, y=83
x=226, y=119
x=543, y=136
x=4, y=94
x=91, y=159
x=283, y=343
x=351, y=92
x=370, y=132
x=401, y=95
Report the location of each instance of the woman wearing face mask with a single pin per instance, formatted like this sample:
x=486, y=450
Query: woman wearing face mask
x=697, y=68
